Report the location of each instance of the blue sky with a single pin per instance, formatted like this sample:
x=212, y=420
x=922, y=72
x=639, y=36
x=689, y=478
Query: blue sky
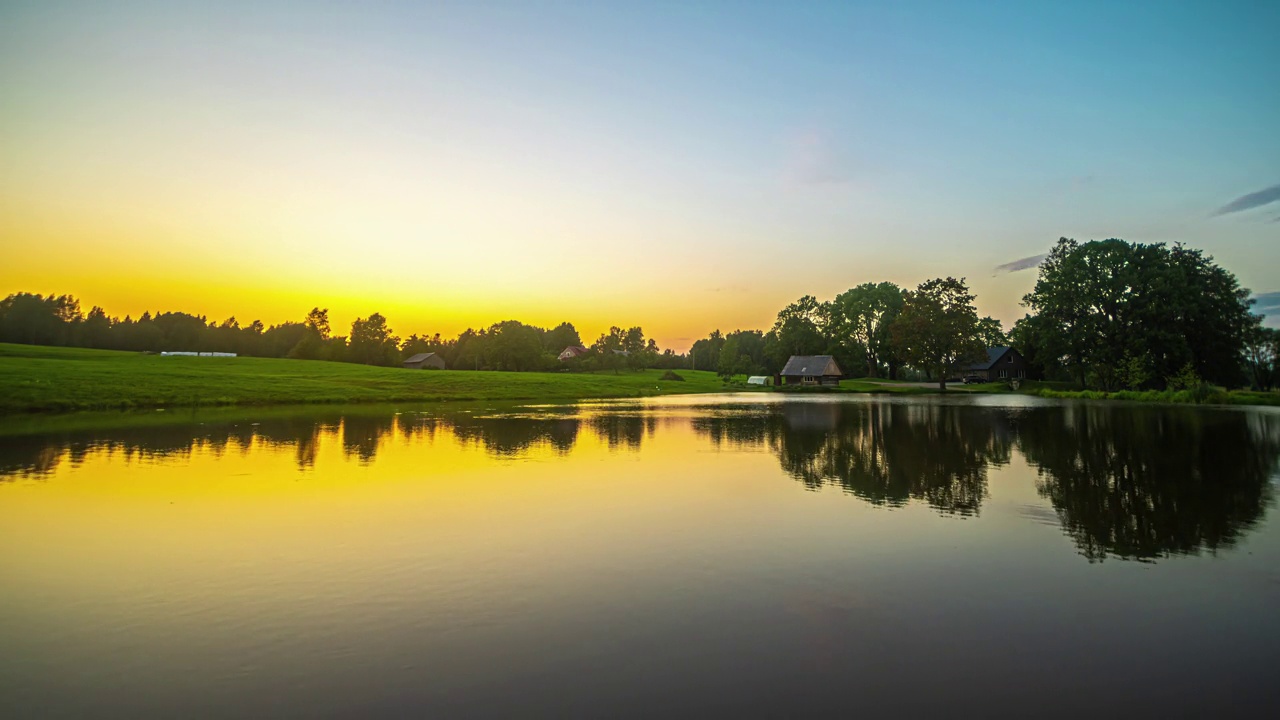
x=679, y=165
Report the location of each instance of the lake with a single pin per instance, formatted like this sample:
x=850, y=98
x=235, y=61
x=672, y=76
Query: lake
x=686, y=556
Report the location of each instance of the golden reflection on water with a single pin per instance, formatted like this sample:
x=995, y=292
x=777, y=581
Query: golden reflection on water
x=331, y=560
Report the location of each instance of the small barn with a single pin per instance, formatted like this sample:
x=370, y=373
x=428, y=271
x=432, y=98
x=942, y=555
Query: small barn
x=571, y=352
x=811, y=370
x=425, y=361
x=1002, y=363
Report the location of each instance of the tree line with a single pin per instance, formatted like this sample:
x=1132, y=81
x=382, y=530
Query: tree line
x=1106, y=314
x=35, y=319
x=872, y=330
x=1116, y=315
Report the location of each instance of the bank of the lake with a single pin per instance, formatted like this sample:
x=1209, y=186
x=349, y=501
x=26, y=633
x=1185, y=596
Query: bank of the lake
x=36, y=378
x=1199, y=396
x=51, y=379
x=40, y=379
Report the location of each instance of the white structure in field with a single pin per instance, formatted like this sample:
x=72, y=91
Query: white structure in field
x=196, y=354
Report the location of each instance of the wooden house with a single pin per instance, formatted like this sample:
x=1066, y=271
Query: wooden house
x=571, y=352
x=1002, y=363
x=425, y=361
x=811, y=370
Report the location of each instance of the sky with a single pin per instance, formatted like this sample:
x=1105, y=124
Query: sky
x=679, y=166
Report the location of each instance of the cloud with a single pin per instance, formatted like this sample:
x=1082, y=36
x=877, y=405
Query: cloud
x=1250, y=201
x=1268, y=302
x=1025, y=263
x=1268, y=305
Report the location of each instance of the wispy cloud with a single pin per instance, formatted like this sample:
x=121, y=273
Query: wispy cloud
x=1025, y=263
x=1250, y=201
x=1268, y=302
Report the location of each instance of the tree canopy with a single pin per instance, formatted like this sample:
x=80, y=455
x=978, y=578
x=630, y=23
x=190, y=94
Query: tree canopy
x=864, y=314
x=938, y=327
x=1119, y=314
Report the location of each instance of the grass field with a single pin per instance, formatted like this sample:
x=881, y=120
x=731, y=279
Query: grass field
x=52, y=379
x=41, y=379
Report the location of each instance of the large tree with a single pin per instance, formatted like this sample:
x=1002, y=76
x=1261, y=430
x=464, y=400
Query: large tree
x=560, y=337
x=512, y=345
x=372, y=341
x=742, y=354
x=864, y=315
x=938, y=327
x=1132, y=314
x=802, y=328
x=991, y=333
x=705, y=353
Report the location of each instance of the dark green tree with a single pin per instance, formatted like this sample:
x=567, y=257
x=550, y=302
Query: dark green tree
x=1129, y=314
x=372, y=342
x=705, y=353
x=864, y=314
x=560, y=337
x=938, y=327
x=742, y=353
x=990, y=333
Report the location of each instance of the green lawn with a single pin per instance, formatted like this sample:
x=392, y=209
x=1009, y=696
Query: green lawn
x=37, y=378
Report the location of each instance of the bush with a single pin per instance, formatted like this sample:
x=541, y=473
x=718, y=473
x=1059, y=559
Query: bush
x=671, y=375
x=1186, y=379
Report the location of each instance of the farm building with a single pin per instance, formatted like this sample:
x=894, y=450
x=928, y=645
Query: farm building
x=425, y=361
x=1002, y=363
x=571, y=352
x=811, y=370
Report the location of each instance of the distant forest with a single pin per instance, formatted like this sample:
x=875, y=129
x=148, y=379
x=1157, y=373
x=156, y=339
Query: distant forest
x=1105, y=314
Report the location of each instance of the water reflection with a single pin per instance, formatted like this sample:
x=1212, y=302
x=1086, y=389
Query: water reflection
x=886, y=454
x=1134, y=483
x=1144, y=483
x=516, y=436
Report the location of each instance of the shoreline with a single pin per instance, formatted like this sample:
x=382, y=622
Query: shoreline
x=40, y=381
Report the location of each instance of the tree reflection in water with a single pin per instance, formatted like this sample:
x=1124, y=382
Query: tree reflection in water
x=886, y=454
x=1127, y=482
x=1143, y=483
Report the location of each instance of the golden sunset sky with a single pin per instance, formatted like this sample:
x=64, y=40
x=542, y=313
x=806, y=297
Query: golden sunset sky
x=673, y=166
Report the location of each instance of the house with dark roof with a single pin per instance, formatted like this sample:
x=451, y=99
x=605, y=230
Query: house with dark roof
x=811, y=370
x=1002, y=363
x=424, y=361
x=571, y=352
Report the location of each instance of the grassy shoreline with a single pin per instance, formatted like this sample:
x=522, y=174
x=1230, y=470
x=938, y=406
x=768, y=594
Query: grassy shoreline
x=36, y=379
x=1215, y=396
x=42, y=379
x=39, y=379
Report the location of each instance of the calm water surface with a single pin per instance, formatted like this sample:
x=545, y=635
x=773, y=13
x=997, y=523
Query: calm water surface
x=726, y=556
